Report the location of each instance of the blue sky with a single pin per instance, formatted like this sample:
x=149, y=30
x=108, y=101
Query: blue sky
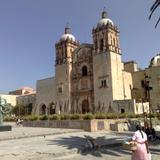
x=29, y=30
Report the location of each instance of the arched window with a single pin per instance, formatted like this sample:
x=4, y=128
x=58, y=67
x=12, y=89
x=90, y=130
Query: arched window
x=43, y=109
x=101, y=45
x=84, y=71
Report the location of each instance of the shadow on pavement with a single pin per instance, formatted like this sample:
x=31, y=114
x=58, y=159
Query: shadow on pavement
x=110, y=146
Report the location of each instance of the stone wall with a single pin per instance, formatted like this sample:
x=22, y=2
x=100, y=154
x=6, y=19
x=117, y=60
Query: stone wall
x=123, y=105
x=154, y=73
x=130, y=106
x=130, y=66
x=46, y=91
x=87, y=125
x=70, y=124
x=127, y=84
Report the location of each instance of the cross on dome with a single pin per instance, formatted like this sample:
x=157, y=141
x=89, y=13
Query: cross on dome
x=104, y=19
x=67, y=34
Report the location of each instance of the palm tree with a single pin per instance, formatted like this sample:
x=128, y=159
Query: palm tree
x=153, y=8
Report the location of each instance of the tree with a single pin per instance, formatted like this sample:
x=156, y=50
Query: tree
x=153, y=8
x=18, y=110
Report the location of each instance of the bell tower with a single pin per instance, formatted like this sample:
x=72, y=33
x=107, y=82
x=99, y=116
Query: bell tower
x=63, y=69
x=65, y=47
x=106, y=36
x=107, y=68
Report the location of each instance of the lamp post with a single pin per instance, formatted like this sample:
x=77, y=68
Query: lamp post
x=144, y=113
x=148, y=87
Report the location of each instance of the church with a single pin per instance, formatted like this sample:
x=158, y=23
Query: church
x=92, y=78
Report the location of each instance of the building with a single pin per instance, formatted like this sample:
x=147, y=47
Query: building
x=22, y=91
x=93, y=78
x=28, y=101
x=24, y=96
x=10, y=99
x=147, y=84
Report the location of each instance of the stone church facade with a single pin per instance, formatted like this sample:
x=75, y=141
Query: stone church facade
x=91, y=77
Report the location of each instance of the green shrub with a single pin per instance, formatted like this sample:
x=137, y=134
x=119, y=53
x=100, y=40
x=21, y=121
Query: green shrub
x=88, y=116
x=111, y=116
x=54, y=117
x=33, y=118
x=26, y=118
x=138, y=116
x=158, y=115
x=154, y=115
x=9, y=119
x=65, y=117
x=123, y=115
x=43, y=117
x=75, y=117
x=131, y=115
x=100, y=116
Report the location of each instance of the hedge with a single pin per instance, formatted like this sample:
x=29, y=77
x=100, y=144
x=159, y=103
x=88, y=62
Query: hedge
x=87, y=116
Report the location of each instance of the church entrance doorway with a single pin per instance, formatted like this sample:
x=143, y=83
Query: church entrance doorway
x=85, y=106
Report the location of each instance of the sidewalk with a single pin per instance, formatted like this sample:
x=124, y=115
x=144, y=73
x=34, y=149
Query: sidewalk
x=19, y=132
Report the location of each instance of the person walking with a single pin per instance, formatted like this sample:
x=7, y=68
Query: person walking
x=142, y=151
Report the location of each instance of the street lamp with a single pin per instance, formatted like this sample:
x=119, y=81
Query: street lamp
x=144, y=112
x=148, y=87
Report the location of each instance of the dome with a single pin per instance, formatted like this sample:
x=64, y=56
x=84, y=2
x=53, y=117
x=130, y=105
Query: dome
x=67, y=36
x=104, y=21
x=155, y=61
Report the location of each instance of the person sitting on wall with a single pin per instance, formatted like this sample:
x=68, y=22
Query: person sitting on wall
x=154, y=135
x=151, y=134
x=148, y=132
x=19, y=122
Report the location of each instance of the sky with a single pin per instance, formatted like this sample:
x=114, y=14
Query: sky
x=29, y=30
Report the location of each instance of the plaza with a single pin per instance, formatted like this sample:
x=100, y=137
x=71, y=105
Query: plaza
x=78, y=79
x=63, y=144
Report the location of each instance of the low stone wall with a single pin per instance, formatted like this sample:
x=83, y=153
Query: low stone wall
x=87, y=125
x=113, y=125
x=70, y=124
x=4, y=128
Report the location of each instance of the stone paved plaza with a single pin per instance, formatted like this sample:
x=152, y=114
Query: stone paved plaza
x=63, y=144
